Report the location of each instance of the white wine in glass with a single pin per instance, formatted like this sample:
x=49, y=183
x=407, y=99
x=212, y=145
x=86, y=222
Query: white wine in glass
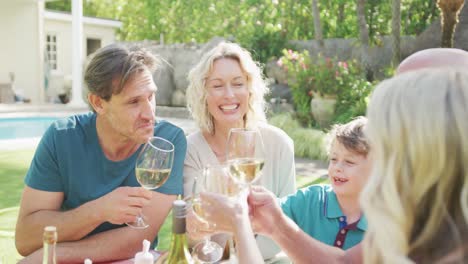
x=152, y=169
x=246, y=170
x=245, y=155
x=152, y=178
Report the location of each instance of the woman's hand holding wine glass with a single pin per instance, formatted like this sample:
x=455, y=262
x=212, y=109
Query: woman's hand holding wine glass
x=215, y=179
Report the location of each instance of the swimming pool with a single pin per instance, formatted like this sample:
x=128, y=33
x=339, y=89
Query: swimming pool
x=24, y=127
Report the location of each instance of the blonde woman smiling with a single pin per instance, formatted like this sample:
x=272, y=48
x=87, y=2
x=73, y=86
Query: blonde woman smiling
x=227, y=91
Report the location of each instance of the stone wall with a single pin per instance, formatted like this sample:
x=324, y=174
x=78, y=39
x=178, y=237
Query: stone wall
x=176, y=62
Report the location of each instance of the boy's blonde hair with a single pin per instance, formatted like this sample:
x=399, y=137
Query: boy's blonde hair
x=196, y=92
x=351, y=136
x=416, y=199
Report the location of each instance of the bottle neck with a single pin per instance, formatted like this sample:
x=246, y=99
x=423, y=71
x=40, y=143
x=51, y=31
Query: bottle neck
x=179, y=252
x=179, y=239
x=49, y=240
x=49, y=253
x=178, y=225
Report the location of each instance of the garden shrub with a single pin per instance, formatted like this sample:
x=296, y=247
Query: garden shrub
x=308, y=142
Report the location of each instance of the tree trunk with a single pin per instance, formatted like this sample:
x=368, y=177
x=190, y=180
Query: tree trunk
x=449, y=19
x=364, y=37
x=361, y=16
x=396, y=24
x=341, y=14
x=317, y=25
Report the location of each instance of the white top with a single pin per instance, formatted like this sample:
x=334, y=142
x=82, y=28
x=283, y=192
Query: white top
x=278, y=174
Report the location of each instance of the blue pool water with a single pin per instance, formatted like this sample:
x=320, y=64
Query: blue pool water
x=28, y=127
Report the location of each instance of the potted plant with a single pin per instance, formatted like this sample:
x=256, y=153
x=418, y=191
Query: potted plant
x=316, y=83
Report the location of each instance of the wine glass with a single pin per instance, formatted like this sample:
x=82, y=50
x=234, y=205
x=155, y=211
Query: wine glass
x=215, y=178
x=245, y=155
x=152, y=169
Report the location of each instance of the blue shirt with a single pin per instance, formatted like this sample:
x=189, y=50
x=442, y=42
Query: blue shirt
x=69, y=159
x=315, y=209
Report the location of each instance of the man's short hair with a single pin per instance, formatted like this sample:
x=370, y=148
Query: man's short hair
x=112, y=66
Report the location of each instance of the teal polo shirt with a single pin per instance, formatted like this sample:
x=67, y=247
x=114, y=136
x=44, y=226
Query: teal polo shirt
x=315, y=209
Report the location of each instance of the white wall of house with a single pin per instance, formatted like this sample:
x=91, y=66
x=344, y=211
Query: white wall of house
x=20, y=46
x=24, y=25
x=96, y=32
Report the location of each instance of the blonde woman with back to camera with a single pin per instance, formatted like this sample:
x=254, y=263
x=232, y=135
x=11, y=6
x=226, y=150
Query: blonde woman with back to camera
x=227, y=91
x=416, y=200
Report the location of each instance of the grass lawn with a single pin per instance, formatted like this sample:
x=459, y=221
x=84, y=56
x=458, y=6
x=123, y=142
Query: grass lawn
x=13, y=167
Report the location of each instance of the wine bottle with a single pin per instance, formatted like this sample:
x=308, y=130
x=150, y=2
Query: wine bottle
x=178, y=252
x=49, y=240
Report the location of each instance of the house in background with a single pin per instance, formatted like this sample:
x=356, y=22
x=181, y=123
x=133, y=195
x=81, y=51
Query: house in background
x=36, y=48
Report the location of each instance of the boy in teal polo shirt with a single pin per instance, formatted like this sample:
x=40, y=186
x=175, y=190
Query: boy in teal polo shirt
x=331, y=213
x=327, y=213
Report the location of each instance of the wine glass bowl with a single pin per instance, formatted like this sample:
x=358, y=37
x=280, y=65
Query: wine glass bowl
x=152, y=169
x=154, y=163
x=245, y=155
x=246, y=170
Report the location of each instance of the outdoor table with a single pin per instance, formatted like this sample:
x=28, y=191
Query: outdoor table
x=156, y=255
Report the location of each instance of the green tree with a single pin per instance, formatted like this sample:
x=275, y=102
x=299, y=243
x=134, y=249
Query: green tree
x=263, y=26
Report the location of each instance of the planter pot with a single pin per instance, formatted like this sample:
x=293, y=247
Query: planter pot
x=322, y=109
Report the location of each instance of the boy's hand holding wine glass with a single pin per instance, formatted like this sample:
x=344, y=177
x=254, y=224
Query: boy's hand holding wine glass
x=265, y=211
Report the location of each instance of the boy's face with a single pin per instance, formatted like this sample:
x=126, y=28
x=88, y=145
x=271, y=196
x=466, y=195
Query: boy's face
x=348, y=170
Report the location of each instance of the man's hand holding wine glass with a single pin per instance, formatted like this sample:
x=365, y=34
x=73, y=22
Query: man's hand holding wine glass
x=123, y=204
x=152, y=169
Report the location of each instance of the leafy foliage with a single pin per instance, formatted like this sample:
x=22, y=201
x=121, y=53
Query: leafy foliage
x=262, y=26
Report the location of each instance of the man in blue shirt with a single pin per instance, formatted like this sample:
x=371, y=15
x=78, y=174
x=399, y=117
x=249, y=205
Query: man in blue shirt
x=82, y=177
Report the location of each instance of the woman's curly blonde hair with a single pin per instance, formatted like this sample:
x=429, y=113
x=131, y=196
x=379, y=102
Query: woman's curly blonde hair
x=196, y=92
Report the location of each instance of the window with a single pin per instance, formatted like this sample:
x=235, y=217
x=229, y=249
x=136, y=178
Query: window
x=92, y=45
x=51, y=46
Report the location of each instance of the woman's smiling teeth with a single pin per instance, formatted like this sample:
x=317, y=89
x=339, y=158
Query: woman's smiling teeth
x=229, y=107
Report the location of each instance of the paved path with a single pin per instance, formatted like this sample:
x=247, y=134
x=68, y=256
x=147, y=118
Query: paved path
x=311, y=168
